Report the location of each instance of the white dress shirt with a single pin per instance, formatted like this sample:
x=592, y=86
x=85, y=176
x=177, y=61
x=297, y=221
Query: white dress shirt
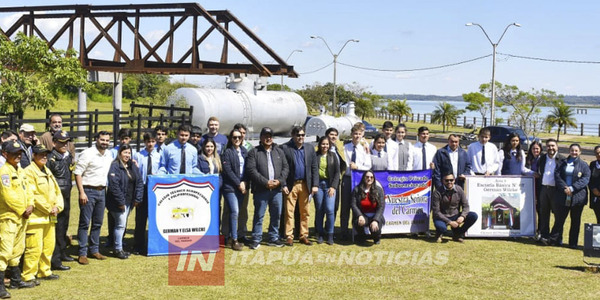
x=363, y=159
x=491, y=158
x=548, y=176
x=417, y=155
x=93, y=167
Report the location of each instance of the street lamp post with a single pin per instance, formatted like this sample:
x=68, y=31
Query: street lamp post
x=288, y=58
x=493, y=112
x=335, y=56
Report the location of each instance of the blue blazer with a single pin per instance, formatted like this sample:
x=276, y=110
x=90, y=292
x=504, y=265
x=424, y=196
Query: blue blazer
x=443, y=164
x=581, y=178
x=231, y=169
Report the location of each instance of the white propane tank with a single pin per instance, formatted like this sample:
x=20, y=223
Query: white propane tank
x=245, y=101
x=318, y=125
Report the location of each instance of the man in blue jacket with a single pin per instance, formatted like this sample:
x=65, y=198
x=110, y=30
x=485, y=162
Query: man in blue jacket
x=451, y=159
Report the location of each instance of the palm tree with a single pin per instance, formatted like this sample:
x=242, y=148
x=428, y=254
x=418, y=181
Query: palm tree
x=399, y=108
x=446, y=114
x=561, y=115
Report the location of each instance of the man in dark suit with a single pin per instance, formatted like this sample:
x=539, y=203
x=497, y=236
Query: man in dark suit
x=451, y=159
x=302, y=181
x=267, y=169
x=546, y=167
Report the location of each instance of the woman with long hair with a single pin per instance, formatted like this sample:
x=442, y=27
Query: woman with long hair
x=367, y=206
x=234, y=184
x=532, y=162
x=572, y=176
x=329, y=179
x=209, y=161
x=594, y=184
x=125, y=189
x=512, y=158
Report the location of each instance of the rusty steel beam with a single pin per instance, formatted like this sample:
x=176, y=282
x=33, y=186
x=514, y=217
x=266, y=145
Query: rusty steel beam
x=136, y=60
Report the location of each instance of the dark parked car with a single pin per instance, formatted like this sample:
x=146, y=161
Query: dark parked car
x=370, y=130
x=499, y=134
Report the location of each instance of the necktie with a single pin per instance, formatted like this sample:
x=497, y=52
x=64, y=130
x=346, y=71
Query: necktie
x=182, y=166
x=378, y=154
x=385, y=147
x=149, y=170
x=483, y=155
x=424, y=167
x=353, y=158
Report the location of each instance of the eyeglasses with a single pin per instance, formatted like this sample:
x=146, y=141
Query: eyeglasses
x=448, y=180
x=369, y=177
x=300, y=135
x=236, y=137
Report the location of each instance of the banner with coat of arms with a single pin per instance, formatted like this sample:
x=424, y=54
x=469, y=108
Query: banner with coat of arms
x=182, y=210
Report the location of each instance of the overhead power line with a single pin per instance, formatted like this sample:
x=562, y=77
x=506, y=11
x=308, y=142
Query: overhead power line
x=317, y=70
x=551, y=60
x=417, y=69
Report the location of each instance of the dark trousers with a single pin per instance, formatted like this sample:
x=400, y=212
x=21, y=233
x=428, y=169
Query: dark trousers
x=345, y=204
x=561, y=214
x=92, y=211
x=110, y=239
x=62, y=224
x=361, y=235
x=597, y=213
x=547, y=206
x=441, y=227
x=141, y=220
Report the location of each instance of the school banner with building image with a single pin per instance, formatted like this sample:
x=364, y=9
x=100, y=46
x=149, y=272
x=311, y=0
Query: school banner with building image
x=407, y=199
x=505, y=205
x=183, y=209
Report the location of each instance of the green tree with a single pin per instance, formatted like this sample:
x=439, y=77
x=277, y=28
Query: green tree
x=399, y=108
x=33, y=76
x=446, y=114
x=318, y=95
x=366, y=103
x=477, y=102
x=561, y=116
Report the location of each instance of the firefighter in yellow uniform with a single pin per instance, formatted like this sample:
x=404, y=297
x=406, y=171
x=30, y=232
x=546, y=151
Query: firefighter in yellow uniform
x=40, y=235
x=16, y=205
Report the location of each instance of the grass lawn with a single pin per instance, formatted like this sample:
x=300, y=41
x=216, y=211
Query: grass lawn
x=401, y=267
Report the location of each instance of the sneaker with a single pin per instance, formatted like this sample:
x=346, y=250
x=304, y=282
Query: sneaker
x=235, y=245
x=439, y=238
x=120, y=254
x=275, y=243
x=254, y=245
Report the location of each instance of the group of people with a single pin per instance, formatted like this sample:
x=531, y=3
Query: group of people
x=37, y=180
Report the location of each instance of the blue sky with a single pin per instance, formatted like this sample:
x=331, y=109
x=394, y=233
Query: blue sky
x=401, y=35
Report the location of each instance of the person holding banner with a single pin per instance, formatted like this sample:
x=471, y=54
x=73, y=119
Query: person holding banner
x=572, y=177
x=594, y=184
x=125, y=189
x=379, y=157
x=483, y=155
x=359, y=160
x=267, y=168
x=234, y=185
x=512, y=158
x=451, y=158
x=367, y=208
x=329, y=179
x=147, y=159
x=450, y=207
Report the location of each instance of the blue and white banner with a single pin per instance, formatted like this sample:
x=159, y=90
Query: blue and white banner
x=182, y=209
x=407, y=199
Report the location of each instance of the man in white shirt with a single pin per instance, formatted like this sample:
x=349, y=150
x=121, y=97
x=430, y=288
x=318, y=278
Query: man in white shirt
x=423, y=151
x=358, y=159
x=483, y=155
x=546, y=167
x=91, y=174
x=391, y=147
x=403, y=157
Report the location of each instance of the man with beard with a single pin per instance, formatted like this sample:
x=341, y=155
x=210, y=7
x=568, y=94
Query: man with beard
x=91, y=174
x=546, y=167
x=56, y=124
x=27, y=140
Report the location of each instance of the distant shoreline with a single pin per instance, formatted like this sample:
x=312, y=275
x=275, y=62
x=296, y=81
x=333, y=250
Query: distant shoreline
x=576, y=101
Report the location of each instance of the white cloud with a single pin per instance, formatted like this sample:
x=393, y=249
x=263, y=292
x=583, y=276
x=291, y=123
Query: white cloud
x=154, y=35
x=7, y=21
x=209, y=46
